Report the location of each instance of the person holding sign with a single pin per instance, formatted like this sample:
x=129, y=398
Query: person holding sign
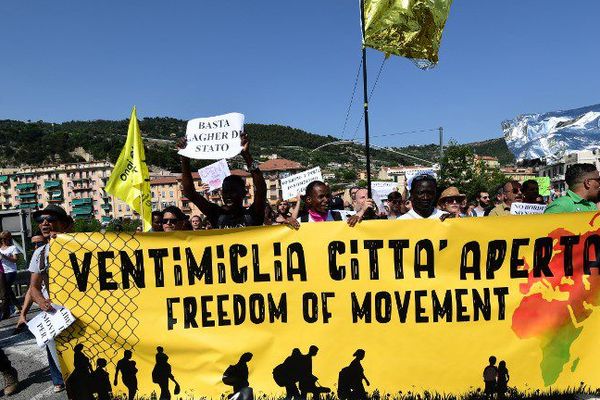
x=317, y=201
x=531, y=191
x=422, y=197
x=232, y=214
x=52, y=220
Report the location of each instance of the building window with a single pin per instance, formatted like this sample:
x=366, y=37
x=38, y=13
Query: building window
x=171, y=194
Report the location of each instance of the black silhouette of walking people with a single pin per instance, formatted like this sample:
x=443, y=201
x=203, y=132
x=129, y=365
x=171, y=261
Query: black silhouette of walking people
x=503, y=378
x=350, y=379
x=161, y=374
x=495, y=379
x=236, y=375
x=101, y=381
x=307, y=381
x=128, y=373
x=286, y=374
x=79, y=382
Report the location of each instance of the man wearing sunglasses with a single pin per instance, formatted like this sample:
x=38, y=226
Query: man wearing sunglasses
x=584, y=186
x=511, y=193
x=51, y=220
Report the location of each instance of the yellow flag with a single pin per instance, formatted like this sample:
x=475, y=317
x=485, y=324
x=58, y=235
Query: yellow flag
x=407, y=28
x=130, y=180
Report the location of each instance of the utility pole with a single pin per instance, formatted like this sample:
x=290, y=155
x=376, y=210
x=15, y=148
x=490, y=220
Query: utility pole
x=441, y=144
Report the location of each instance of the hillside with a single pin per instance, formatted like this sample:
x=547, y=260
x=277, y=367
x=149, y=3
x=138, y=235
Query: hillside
x=40, y=142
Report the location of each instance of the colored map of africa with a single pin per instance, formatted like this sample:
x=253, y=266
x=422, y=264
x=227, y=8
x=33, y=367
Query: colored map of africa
x=554, y=309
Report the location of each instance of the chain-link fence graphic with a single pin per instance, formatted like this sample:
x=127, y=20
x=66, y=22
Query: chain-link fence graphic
x=110, y=316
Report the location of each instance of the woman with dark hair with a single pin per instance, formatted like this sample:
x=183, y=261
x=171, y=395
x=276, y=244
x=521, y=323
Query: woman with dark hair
x=503, y=378
x=173, y=219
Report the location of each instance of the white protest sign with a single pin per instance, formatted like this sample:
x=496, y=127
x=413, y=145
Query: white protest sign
x=296, y=184
x=214, y=174
x=526, y=208
x=346, y=214
x=411, y=173
x=46, y=326
x=214, y=138
x=380, y=191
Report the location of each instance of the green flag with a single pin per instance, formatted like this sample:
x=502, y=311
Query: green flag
x=407, y=28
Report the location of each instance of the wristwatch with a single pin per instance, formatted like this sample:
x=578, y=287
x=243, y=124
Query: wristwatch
x=253, y=166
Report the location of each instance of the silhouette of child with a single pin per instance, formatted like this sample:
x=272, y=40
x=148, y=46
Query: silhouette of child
x=102, y=381
x=490, y=376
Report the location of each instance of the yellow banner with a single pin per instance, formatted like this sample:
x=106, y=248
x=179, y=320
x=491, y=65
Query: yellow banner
x=409, y=305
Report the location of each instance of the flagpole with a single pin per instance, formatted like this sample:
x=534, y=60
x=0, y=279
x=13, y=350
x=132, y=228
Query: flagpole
x=366, y=98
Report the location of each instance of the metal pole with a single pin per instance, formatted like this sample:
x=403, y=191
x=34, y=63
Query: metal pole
x=366, y=98
x=441, y=144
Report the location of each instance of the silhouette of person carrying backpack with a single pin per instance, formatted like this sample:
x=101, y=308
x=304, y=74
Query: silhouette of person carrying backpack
x=306, y=380
x=350, y=379
x=237, y=376
x=287, y=374
x=161, y=374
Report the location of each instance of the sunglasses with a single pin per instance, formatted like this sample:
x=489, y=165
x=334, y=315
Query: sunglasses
x=41, y=218
x=38, y=244
x=395, y=201
x=453, y=199
x=170, y=221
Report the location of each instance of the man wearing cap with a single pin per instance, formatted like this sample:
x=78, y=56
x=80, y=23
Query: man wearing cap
x=450, y=201
x=52, y=220
x=511, y=193
x=422, y=197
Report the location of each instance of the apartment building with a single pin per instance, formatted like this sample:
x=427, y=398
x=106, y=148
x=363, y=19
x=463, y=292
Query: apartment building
x=77, y=187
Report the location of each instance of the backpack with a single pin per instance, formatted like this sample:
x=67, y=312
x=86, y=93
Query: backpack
x=230, y=377
x=280, y=375
x=344, y=379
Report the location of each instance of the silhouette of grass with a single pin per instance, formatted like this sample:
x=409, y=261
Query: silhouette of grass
x=472, y=394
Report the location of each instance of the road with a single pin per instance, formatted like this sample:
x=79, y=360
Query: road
x=30, y=361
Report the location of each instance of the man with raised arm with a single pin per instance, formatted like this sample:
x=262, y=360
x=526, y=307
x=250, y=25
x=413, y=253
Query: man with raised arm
x=232, y=214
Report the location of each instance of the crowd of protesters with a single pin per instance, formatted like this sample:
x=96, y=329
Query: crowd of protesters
x=424, y=200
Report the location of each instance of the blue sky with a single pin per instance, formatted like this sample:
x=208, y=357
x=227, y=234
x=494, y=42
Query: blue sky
x=293, y=63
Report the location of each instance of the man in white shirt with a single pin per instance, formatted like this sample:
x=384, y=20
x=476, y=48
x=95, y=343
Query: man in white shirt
x=423, y=196
x=51, y=220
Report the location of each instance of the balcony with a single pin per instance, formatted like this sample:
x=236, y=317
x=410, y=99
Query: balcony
x=4, y=181
x=29, y=206
x=84, y=211
x=56, y=196
x=26, y=187
x=27, y=197
x=106, y=207
x=82, y=187
x=85, y=201
x=52, y=185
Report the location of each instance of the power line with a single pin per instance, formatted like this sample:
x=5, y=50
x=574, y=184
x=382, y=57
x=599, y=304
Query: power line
x=370, y=95
x=351, y=98
x=407, y=132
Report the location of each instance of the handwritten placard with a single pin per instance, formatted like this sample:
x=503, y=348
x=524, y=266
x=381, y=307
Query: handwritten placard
x=214, y=174
x=296, y=184
x=214, y=138
x=526, y=208
x=47, y=325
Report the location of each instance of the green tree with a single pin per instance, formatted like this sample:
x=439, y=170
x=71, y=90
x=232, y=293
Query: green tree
x=87, y=225
x=460, y=169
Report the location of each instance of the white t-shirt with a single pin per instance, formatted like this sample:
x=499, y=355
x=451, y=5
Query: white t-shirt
x=479, y=213
x=38, y=266
x=8, y=265
x=411, y=214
